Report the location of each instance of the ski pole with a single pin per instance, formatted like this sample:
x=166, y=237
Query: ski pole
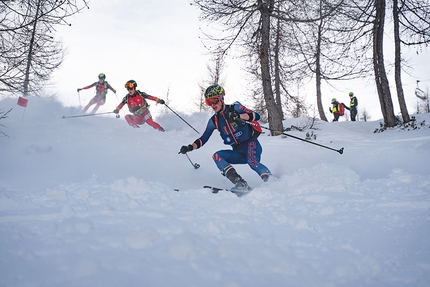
x=196, y=165
x=88, y=115
x=181, y=118
x=338, y=150
x=79, y=96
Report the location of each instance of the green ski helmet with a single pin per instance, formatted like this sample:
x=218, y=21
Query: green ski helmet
x=215, y=91
x=333, y=101
x=351, y=94
x=102, y=76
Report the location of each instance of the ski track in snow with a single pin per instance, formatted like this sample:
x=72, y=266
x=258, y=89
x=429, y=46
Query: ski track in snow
x=92, y=202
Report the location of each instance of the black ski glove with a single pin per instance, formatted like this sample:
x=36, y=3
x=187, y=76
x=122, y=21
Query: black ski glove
x=79, y=90
x=116, y=111
x=160, y=101
x=185, y=149
x=329, y=110
x=234, y=117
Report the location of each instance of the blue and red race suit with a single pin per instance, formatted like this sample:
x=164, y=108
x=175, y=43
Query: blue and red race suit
x=241, y=137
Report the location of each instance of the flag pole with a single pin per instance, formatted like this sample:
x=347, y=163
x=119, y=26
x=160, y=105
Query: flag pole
x=23, y=103
x=23, y=113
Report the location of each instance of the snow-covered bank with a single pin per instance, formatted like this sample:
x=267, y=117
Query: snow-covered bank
x=91, y=202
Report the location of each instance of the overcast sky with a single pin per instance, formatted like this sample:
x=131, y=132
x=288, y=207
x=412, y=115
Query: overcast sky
x=157, y=44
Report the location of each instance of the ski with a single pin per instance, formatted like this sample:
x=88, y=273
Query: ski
x=237, y=192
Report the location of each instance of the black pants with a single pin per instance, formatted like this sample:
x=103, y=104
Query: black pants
x=336, y=117
x=353, y=112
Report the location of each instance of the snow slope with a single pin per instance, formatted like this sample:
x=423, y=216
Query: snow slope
x=91, y=202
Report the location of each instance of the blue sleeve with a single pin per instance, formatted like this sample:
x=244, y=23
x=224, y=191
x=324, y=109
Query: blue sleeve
x=241, y=109
x=210, y=127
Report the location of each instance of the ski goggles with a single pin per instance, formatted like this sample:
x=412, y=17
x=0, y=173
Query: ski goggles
x=212, y=101
x=129, y=86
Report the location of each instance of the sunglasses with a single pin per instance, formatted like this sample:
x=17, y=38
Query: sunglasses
x=212, y=101
x=130, y=89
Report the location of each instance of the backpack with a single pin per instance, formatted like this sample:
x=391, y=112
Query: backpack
x=341, y=109
x=255, y=125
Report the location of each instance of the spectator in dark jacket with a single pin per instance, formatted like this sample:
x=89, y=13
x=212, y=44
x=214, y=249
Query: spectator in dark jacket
x=353, y=106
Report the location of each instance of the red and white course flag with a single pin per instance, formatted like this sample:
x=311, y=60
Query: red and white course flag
x=22, y=102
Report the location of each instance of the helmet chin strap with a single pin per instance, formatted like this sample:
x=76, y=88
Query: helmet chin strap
x=222, y=108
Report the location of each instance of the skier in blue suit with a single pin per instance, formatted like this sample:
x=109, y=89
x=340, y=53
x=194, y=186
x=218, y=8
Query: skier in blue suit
x=230, y=121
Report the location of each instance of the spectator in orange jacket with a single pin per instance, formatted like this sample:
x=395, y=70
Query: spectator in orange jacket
x=136, y=101
x=99, y=99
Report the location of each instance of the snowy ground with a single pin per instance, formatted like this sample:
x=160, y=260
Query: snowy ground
x=91, y=202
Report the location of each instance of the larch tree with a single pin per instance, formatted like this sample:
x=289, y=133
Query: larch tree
x=411, y=21
x=332, y=48
x=381, y=79
x=30, y=53
x=214, y=68
x=244, y=23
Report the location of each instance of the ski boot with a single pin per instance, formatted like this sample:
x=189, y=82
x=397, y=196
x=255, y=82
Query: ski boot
x=240, y=184
x=266, y=176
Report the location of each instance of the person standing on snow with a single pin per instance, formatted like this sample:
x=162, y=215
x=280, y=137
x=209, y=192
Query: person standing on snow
x=229, y=120
x=337, y=109
x=353, y=106
x=136, y=101
x=99, y=99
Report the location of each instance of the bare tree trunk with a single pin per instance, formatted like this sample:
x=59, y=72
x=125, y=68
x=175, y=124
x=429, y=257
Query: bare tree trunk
x=381, y=79
x=30, y=50
x=318, y=74
x=277, y=64
x=274, y=117
x=397, y=64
